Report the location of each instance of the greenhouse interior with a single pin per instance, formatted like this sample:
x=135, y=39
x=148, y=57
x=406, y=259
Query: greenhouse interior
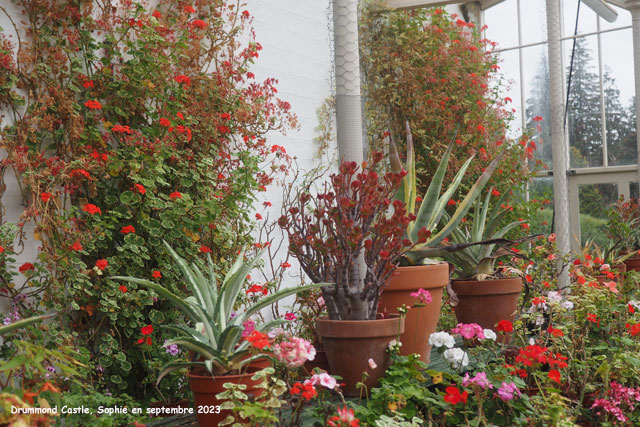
x=319, y=213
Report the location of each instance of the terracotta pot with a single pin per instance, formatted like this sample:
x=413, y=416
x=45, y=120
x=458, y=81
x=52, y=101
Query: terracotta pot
x=351, y=343
x=421, y=322
x=205, y=388
x=487, y=302
x=320, y=361
x=617, y=269
x=633, y=264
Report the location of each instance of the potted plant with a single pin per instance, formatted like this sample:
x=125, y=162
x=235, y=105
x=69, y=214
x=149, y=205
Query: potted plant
x=418, y=270
x=216, y=334
x=483, y=294
x=623, y=218
x=351, y=234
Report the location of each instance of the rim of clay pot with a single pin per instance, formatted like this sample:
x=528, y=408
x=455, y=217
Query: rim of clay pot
x=506, y=285
x=412, y=277
x=196, y=374
x=387, y=327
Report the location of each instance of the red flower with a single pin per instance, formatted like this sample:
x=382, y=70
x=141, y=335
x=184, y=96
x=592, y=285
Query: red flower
x=25, y=267
x=188, y=9
x=454, y=396
x=45, y=197
x=306, y=389
x=635, y=329
x=451, y=202
x=205, y=249
x=537, y=119
x=183, y=80
x=156, y=274
x=128, y=229
x=258, y=340
x=197, y=23
x=258, y=216
x=123, y=289
x=630, y=307
x=480, y=129
x=91, y=209
x=80, y=172
x=76, y=246
x=555, y=332
x=92, y=104
x=146, y=330
x=285, y=265
x=121, y=129
x=165, y=122
x=495, y=192
x=87, y=84
x=505, y=326
x=554, y=375
x=384, y=254
x=139, y=188
x=593, y=319
x=156, y=14
x=267, y=204
x=1, y=249
x=102, y=264
x=175, y=195
x=345, y=418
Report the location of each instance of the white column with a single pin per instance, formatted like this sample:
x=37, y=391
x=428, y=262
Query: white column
x=558, y=138
x=347, y=62
x=634, y=7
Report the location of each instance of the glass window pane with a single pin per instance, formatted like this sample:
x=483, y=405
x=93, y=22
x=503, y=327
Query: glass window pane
x=534, y=21
x=623, y=20
x=509, y=81
x=587, y=22
x=538, y=110
x=594, y=202
x=495, y=18
x=541, y=220
x=634, y=190
x=618, y=97
x=583, y=119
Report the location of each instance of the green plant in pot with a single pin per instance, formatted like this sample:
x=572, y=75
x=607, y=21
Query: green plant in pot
x=215, y=333
x=623, y=218
x=351, y=234
x=427, y=233
x=483, y=294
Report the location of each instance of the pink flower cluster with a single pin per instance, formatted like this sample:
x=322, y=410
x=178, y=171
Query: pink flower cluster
x=508, y=391
x=324, y=380
x=423, y=296
x=469, y=331
x=619, y=396
x=480, y=380
x=294, y=352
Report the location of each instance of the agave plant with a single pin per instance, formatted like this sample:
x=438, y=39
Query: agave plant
x=420, y=232
x=215, y=332
x=5, y=329
x=478, y=261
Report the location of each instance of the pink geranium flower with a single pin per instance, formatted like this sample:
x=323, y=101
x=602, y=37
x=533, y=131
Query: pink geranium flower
x=423, y=296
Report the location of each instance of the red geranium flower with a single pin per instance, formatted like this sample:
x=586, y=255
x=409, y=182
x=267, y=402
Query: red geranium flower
x=25, y=267
x=87, y=84
x=92, y=104
x=505, y=326
x=140, y=188
x=198, y=23
x=554, y=375
x=121, y=129
x=165, y=122
x=128, y=229
x=258, y=216
x=1, y=249
x=102, y=264
x=80, y=172
x=156, y=274
x=123, y=289
x=156, y=14
x=183, y=80
x=76, y=246
x=45, y=197
x=175, y=195
x=146, y=330
x=258, y=340
x=205, y=249
x=189, y=9
x=91, y=209
x=454, y=396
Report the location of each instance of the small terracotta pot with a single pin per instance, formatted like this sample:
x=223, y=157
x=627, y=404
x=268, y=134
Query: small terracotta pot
x=421, y=322
x=486, y=302
x=351, y=343
x=205, y=388
x=320, y=361
x=618, y=269
x=633, y=264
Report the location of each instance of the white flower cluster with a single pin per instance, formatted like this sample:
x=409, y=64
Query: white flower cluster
x=555, y=297
x=489, y=334
x=439, y=339
x=456, y=357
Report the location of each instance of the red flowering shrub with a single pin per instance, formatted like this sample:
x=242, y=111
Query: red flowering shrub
x=149, y=124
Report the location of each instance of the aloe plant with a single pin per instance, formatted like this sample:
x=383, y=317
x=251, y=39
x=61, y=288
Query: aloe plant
x=215, y=330
x=5, y=329
x=425, y=232
x=478, y=261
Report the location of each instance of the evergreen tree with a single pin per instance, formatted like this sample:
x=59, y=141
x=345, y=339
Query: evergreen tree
x=538, y=105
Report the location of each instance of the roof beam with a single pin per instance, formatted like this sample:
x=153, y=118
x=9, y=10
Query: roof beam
x=415, y=4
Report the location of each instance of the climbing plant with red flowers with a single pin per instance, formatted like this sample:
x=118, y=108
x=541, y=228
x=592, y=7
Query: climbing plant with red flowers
x=125, y=126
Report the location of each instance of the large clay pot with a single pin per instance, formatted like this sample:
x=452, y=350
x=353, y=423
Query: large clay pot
x=633, y=264
x=205, y=388
x=486, y=302
x=350, y=344
x=421, y=322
